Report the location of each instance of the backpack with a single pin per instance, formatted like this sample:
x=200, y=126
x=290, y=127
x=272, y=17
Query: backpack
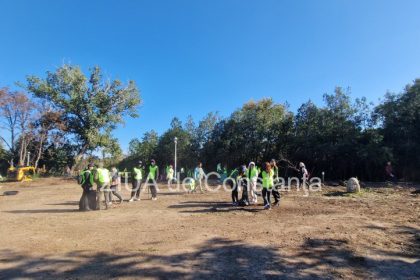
x=80, y=178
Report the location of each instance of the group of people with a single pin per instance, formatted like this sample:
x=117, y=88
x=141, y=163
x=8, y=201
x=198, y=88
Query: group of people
x=108, y=182
x=247, y=178
x=244, y=177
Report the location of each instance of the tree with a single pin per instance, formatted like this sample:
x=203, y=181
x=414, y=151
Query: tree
x=255, y=132
x=17, y=111
x=399, y=115
x=48, y=123
x=166, y=146
x=89, y=108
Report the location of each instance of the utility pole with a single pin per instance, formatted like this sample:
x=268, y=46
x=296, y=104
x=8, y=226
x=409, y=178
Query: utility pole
x=176, y=142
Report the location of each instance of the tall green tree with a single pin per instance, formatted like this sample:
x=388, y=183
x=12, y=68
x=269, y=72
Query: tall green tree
x=166, y=146
x=258, y=131
x=90, y=107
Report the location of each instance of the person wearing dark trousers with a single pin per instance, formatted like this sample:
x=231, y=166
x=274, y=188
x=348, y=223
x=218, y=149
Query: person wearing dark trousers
x=267, y=177
x=390, y=173
x=103, y=180
x=235, y=195
x=275, y=191
x=88, y=200
x=136, y=178
x=232, y=182
x=152, y=178
x=115, y=182
x=243, y=182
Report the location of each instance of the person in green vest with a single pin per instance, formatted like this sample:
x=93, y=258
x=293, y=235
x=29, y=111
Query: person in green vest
x=103, y=180
x=152, y=178
x=224, y=173
x=190, y=182
x=137, y=176
x=88, y=200
x=252, y=179
x=268, y=183
x=275, y=191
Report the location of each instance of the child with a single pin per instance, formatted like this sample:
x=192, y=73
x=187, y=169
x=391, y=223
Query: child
x=191, y=184
x=268, y=183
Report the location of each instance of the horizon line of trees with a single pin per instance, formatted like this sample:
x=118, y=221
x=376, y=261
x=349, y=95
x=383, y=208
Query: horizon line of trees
x=343, y=137
x=67, y=118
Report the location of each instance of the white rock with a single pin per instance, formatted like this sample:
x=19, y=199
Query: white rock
x=353, y=185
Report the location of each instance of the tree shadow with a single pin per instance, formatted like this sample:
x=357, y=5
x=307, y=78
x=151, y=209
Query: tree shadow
x=212, y=207
x=217, y=258
x=67, y=203
x=42, y=211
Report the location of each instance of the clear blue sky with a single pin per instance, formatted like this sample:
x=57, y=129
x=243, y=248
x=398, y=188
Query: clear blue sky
x=196, y=56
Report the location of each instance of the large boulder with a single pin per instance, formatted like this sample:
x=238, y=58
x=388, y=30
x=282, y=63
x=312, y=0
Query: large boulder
x=353, y=185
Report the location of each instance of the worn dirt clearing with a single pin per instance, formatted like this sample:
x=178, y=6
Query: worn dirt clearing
x=200, y=236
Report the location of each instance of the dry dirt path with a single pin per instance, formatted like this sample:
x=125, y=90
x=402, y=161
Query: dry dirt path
x=200, y=236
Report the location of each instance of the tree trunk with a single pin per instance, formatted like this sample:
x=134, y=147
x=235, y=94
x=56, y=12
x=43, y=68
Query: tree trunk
x=41, y=143
x=21, y=152
x=78, y=157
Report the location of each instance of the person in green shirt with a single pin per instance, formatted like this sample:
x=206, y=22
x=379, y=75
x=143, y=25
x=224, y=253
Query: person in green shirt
x=103, y=180
x=275, y=191
x=88, y=200
x=253, y=179
x=137, y=176
x=268, y=183
x=152, y=178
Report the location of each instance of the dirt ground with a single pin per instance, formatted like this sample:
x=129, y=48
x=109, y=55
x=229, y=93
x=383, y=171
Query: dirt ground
x=375, y=234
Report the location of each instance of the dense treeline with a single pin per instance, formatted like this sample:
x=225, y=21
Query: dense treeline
x=343, y=137
x=67, y=118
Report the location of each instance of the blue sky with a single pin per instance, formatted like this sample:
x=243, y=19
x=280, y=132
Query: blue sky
x=196, y=56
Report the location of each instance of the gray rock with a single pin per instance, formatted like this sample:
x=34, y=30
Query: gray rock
x=353, y=185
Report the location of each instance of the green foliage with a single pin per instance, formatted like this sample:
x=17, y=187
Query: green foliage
x=146, y=148
x=4, y=160
x=90, y=108
x=342, y=138
x=165, y=151
x=399, y=115
x=254, y=132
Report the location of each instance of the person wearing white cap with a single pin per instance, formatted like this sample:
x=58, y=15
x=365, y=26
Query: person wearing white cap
x=252, y=175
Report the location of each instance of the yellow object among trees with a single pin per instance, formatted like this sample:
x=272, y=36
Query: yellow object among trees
x=21, y=174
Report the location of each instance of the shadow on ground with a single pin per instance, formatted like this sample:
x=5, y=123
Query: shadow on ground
x=211, y=206
x=215, y=259
x=42, y=211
